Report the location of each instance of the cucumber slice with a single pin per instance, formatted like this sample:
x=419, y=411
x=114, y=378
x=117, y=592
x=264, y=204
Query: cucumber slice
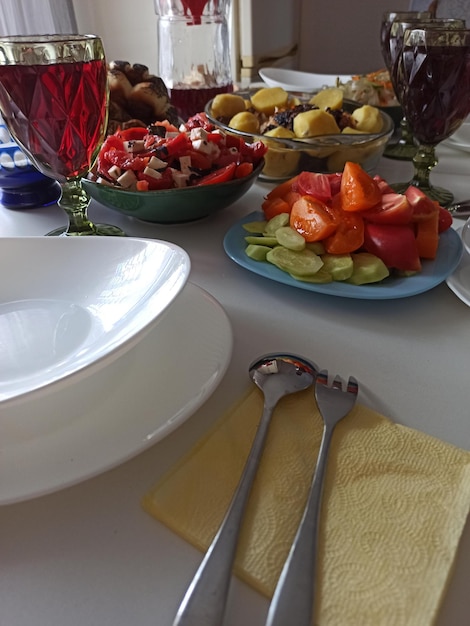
x=255, y=227
x=322, y=276
x=316, y=246
x=278, y=221
x=256, y=252
x=290, y=238
x=303, y=263
x=368, y=268
x=262, y=241
x=340, y=266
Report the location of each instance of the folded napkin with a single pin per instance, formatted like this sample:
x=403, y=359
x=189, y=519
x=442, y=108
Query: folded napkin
x=394, y=507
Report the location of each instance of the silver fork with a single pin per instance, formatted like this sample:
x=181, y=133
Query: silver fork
x=293, y=599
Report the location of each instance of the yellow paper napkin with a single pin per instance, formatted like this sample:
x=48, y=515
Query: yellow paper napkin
x=394, y=507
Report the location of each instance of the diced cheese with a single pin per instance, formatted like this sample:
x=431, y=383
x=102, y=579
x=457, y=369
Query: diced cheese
x=185, y=164
x=202, y=145
x=180, y=179
x=197, y=133
x=148, y=171
x=114, y=172
x=157, y=164
x=135, y=145
x=128, y=179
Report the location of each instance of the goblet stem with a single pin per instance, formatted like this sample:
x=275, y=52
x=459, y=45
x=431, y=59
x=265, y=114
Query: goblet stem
x=74, y=200
x=404, y=149
x=424, y=160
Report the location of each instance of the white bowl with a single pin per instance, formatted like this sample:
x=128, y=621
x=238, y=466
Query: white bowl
x=69, y=303
x=293, y=80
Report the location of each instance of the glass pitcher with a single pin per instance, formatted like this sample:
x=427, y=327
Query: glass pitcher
x=194, y=57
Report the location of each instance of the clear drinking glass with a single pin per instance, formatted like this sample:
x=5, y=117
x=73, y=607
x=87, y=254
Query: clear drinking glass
x=194, y=58
x=434, y=72
x=54, y=100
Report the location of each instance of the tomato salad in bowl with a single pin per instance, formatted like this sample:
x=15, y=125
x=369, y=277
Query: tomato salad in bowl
x=162, y=156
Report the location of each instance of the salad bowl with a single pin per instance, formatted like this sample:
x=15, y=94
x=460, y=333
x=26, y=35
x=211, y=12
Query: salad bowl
x=172, y=206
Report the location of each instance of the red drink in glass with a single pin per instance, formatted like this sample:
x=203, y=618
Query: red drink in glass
x=436, y=90
x=189, y=101
x=57, y=112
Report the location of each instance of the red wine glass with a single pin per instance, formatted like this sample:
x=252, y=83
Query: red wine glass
x=434, y=71
x=54, y=100
x=404, y=147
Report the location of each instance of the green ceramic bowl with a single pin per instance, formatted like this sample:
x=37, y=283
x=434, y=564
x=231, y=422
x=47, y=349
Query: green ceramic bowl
x=171, y=206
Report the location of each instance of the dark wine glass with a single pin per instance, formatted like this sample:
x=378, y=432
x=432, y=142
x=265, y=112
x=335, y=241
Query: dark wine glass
x=54, y=100
x=434, y=72
x=404, y=147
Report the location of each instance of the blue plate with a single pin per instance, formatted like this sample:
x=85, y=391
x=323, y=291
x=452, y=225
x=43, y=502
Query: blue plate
x=433, y=272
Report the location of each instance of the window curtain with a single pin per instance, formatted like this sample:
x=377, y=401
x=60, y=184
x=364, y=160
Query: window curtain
x=40, y=17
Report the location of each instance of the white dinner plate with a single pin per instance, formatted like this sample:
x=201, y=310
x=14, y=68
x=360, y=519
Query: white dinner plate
x=459, y=280
x=465, y=234
x=69, y=303
x=294, y=80
x=79, y=431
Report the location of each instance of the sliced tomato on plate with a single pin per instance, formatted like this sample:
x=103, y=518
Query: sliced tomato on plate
x=313, y=184
x=312, y=218
x=359, y=191
x=393, y=208
x=395, y=245
x=349, y=234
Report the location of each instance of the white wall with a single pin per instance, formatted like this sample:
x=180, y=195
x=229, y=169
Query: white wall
x=342, y=36
x=128, y=28
x=337, y=36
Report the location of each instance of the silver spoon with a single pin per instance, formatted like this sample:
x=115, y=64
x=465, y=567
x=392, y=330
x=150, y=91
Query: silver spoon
x=460, y=209
x=277, y=375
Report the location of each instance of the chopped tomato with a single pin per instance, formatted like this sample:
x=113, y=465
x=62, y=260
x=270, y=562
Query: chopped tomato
x=132, y=134
x=178, y=146
x=445, y=219
x=244, y=169
x=275, y=207
x=422, y=205
x=221, y=175
x=395, y=245
x=393, y=208
x=335, y=182
x=282, y=189
x=349, y=234
x=199, y=160
x=359, y=191
x=142, y=185
x=427, y=236
x=313, y=184
x=291, y=196
x=312, y=219
x=383, y=185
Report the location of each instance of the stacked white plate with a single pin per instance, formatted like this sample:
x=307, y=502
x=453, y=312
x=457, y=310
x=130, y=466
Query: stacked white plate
x=80, y=388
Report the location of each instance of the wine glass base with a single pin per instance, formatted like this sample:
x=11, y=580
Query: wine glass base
x=439, y=194
x=103, y=230
x=400, y=150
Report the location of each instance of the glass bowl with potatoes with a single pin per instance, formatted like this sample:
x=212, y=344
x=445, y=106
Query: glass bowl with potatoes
x=304, y=132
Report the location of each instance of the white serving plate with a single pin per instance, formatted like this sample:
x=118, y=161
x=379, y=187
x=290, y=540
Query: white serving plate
x=67, y=304
x=459, y=280
x=80, y=430
x=294, y=80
